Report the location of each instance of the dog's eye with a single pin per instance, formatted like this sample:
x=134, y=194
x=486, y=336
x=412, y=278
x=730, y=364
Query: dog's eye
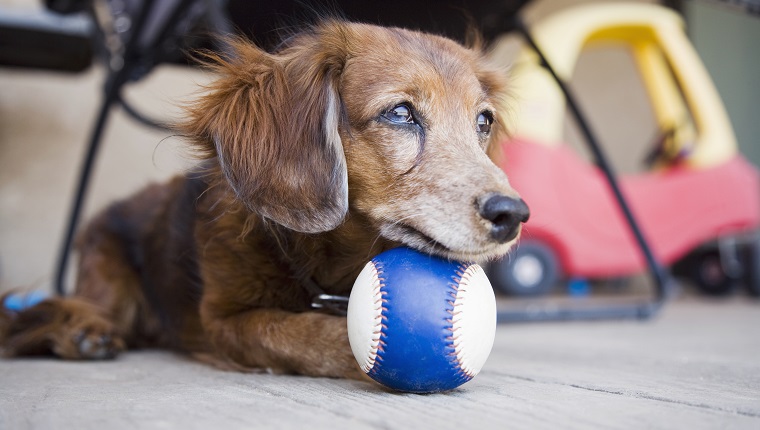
x=400, y=114
x=485, y=119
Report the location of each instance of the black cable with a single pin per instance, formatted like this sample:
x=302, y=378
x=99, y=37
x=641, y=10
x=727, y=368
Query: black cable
x=142, y=119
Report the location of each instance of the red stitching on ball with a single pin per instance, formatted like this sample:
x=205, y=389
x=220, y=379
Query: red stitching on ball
x=462, y=276
x=379, y=291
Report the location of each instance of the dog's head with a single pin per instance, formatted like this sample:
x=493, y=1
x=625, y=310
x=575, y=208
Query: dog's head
x=393, y=124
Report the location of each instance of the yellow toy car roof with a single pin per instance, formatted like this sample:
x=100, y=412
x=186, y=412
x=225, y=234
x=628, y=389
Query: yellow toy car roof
x=539, y=108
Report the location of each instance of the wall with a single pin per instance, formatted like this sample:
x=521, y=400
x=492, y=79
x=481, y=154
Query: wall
x=729, y=43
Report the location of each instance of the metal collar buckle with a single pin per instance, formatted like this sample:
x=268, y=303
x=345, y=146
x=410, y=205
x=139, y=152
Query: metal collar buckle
x=337, y=305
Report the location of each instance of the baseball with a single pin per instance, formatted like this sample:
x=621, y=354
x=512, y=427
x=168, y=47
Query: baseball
x=419, y=323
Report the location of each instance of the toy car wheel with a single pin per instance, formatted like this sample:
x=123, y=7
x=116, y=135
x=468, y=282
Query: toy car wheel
x=531, y=270
x=752, y=267
x=708, y=274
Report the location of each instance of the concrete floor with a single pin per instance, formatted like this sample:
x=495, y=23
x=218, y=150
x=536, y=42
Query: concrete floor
x=696, y=366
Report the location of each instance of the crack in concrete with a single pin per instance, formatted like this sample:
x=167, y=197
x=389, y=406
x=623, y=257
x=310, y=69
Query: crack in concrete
x=640, y=395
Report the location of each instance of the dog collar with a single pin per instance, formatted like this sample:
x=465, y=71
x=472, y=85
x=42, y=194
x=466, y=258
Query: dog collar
x=331, y=303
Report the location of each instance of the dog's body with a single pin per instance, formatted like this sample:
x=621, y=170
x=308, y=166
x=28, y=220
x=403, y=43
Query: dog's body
x=348, y=141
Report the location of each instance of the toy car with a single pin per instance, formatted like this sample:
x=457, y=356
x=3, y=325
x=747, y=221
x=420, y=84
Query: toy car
x=698, y=205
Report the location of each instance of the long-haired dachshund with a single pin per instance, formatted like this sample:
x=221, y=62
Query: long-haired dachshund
x=349, y=140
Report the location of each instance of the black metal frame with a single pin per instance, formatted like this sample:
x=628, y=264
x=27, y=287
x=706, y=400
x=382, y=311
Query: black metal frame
x=138, y=59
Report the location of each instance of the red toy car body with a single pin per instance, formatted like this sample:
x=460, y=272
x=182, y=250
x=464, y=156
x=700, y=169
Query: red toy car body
x=574, y=213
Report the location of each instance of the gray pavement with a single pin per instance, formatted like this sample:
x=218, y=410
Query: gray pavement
x=696, y=366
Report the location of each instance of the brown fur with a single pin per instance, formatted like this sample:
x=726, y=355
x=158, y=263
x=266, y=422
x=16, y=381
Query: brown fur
x=304, y=181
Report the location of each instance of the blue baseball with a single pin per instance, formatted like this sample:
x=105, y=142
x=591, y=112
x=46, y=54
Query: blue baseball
x=419, y=323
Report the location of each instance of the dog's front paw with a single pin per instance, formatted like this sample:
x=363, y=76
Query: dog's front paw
x=68, y=328
x=357, y=373
x=336, y=359
x=96, y=344
x=89, y=338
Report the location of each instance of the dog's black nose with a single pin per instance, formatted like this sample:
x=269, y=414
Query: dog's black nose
x=506, y=214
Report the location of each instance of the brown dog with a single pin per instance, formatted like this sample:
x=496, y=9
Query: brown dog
x=350, y=140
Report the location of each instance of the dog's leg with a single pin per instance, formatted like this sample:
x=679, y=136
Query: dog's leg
x=67, y=327
x=307, y=343
x=98, y=321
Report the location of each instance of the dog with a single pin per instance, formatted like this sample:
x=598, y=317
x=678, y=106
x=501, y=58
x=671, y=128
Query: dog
x=348, y=140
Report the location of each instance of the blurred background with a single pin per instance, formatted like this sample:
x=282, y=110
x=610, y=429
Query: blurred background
x=51, y=89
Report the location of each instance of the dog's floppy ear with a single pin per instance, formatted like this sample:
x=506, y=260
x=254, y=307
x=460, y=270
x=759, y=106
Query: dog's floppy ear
x=272, y=122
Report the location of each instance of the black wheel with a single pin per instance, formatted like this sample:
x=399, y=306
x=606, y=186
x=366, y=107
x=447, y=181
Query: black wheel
x=530, y=270
x=706, y=270
x=752, y=266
